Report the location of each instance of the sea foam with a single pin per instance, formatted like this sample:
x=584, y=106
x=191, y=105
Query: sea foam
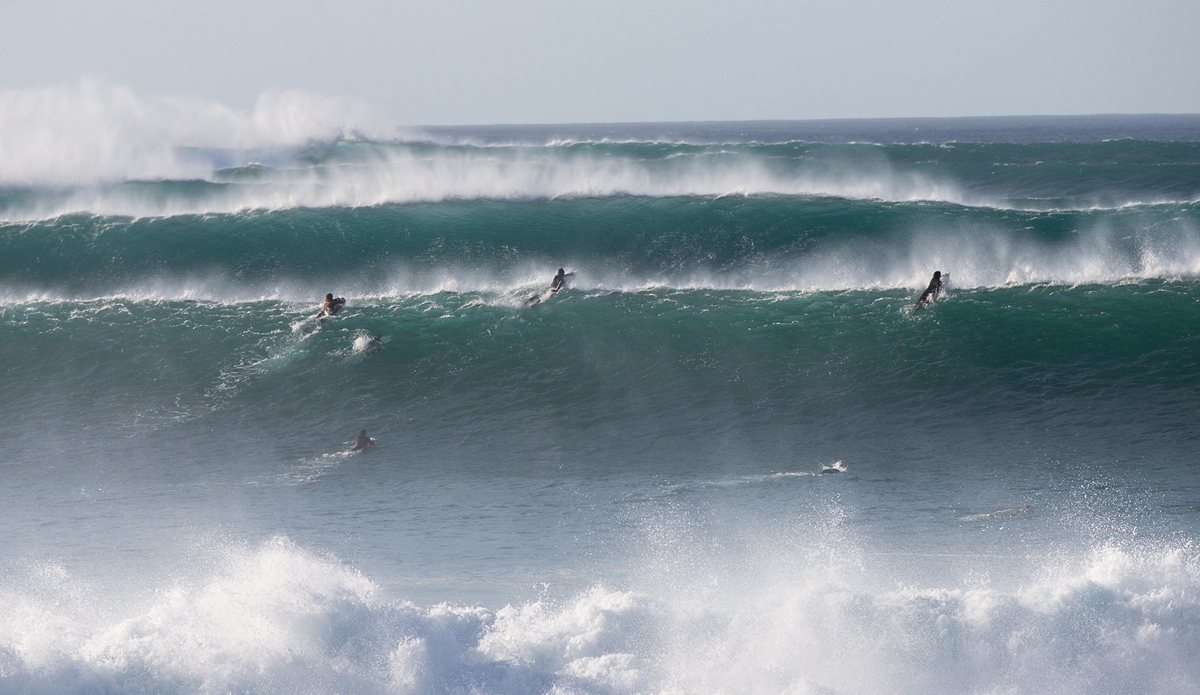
x=279, y=618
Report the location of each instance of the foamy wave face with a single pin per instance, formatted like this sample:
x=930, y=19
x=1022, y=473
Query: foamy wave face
x=280, y=619
x=93, y=132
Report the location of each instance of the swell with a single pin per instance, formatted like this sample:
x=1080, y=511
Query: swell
x=765, y=243
x=635, y=377
x=355, y=173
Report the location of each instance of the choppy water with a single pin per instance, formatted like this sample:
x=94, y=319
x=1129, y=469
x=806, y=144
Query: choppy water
x=620, y=489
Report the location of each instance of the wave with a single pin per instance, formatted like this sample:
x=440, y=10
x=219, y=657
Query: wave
x=464, y=286
x=277, y=617
x=655, y=374
x=499, y=250
x=355, y=174
x=103, y=150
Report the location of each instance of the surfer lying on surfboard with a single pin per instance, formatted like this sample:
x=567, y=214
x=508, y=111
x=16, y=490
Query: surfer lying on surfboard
x=362, y=442
x=331, y=305
x=556, y=284
x=931, y=292
x=559, y=280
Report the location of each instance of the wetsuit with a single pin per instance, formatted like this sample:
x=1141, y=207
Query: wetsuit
x=931, y=292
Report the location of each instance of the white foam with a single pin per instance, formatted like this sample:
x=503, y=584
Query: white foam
x=787, y=615
x=366, y=345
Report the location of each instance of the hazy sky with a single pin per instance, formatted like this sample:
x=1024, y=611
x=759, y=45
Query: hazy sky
x=562, y=61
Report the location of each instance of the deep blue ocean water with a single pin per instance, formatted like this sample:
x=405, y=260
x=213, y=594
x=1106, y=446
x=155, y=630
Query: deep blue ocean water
x=728, y=458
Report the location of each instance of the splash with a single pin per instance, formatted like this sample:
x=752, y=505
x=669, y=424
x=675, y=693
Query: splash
x=277, y=617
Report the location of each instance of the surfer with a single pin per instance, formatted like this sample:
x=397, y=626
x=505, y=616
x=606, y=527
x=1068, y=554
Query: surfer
x=331, y=305
x=362, y=442
x=931, y=292
x=557, y=283
x=559, y=280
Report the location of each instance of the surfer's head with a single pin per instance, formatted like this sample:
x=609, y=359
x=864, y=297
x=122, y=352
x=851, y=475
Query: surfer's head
x=561, y=271
x=363, y=431
x=937, y=274
x=329, y=297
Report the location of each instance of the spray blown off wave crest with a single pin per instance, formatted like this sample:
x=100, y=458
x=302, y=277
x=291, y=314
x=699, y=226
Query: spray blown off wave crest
x=106, y=151
x=96, y=133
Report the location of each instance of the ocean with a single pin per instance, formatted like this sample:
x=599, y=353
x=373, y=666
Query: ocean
x=728, y=458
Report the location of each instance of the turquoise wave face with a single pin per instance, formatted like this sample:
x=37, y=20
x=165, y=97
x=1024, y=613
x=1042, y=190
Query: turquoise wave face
x=635, y=376
x=765, y=243
x=722, y=284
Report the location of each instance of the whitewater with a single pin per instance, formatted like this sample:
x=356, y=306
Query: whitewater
x=728, y=458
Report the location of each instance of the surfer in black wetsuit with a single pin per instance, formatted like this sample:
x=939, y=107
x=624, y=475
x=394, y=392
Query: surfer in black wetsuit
x=931, y=292
x=331, y=305
x=362, y=442
x=559, y=280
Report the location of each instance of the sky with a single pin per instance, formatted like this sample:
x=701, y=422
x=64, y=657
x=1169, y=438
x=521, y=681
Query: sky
x=468, y=62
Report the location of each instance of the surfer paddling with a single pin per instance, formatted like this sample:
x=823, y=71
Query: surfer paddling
x=362, y=442
x=557, y=283
x=559, y=280
x=931, y=292
x=331, y=305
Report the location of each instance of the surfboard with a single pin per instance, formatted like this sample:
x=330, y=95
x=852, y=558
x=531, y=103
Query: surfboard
x=337, y=306
x=321, y=314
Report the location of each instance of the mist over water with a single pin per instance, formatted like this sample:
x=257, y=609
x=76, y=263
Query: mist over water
x=728, y=458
